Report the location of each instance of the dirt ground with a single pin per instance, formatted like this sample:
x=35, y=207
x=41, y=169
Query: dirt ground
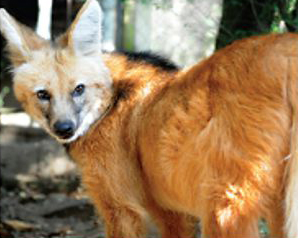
x=41, y=194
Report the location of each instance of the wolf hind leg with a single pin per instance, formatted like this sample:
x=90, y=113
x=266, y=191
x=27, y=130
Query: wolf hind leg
x=240, y=227
x=124, y=223
x=173, y=224
x=176, y=225
x=229, y=212
x=276, y=218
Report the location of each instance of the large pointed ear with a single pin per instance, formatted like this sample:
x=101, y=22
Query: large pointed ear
x=84, y=35
x=21, y=40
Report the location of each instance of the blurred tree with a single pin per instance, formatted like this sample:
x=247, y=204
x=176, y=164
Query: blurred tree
x=44, y=19
x=181, y=30
x=289, y=13
x=109, y=24
x=243, y=18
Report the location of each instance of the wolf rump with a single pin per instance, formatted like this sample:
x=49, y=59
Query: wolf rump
x=209, y=142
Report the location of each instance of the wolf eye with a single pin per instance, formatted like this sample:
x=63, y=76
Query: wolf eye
x=43, y=95
x=79, y=90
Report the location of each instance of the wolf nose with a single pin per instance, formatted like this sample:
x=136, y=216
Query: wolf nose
x=64, y=129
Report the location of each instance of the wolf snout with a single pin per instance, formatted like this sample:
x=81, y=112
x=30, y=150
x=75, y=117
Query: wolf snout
x=64, y=129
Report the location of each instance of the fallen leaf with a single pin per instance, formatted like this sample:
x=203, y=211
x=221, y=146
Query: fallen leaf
x=19, y=225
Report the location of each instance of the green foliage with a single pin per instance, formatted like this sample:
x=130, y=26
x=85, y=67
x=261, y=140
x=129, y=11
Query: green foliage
x=263, y=228
x=3, y=93
x=4, y=66
x=289, y=13
x=128, y=36
x=244, y=18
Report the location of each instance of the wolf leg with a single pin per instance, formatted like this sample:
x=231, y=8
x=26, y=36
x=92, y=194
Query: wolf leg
x=275, y=219
x=173, y=224
x=119, y=202
x=229, y=213
x=244, y=228
x=123, y=223
x=122, y=218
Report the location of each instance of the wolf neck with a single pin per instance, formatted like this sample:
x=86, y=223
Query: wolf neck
x=138, y=85
x=144, y=95
x=134, y=83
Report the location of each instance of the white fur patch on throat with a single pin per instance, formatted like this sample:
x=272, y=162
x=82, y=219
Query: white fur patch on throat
x=88, y=120
x=92, y=116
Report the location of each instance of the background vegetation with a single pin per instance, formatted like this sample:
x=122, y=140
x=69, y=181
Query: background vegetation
x=243, y=18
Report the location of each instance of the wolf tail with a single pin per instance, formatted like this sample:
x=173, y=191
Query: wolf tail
x=291, y=202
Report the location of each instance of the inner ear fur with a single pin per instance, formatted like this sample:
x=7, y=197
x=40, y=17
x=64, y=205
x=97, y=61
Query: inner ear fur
x=19, y=54
x=83, y=37
x=32, y=42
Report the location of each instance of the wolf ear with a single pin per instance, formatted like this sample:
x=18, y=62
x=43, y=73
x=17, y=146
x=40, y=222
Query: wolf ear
x=20, y=39
x=84, y=35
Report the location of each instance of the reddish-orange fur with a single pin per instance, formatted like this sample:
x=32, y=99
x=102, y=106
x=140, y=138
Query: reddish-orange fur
x=210, y=142
x=207, y=143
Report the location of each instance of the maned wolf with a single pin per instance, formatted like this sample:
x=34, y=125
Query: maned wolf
x=217, y=142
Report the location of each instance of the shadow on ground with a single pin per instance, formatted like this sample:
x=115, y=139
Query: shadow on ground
x=41, y=194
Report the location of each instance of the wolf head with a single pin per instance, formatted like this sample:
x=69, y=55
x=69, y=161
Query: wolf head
x=64, y=85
